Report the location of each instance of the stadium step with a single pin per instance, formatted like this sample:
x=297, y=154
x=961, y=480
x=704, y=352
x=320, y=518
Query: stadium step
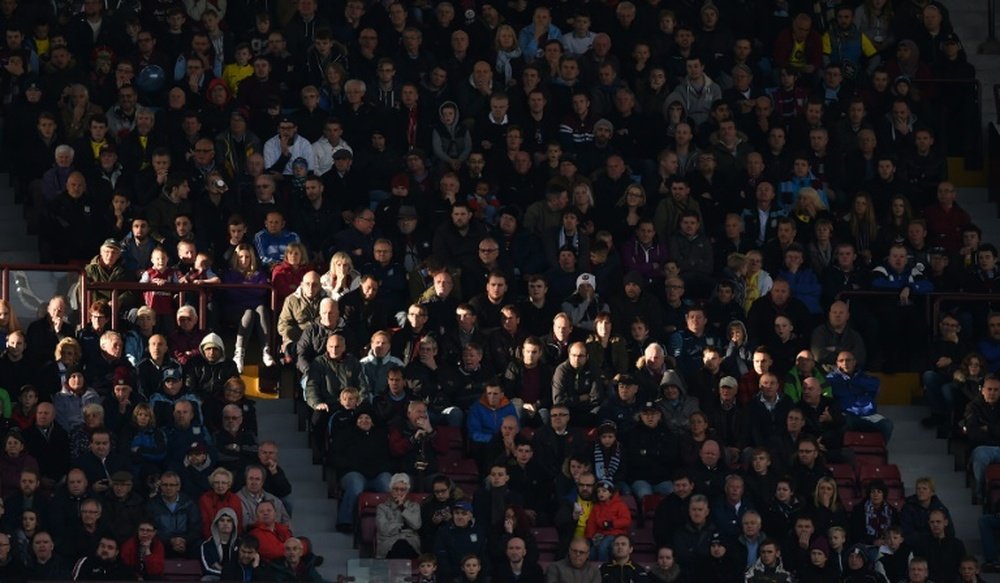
x=313, y=514
x=16, y=246
x=919, y=453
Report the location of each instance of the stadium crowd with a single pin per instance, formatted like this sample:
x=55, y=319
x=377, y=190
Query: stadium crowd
x=616, y=247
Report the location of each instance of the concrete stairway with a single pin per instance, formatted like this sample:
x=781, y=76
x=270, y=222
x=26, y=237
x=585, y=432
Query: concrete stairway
x=976, y=201
x=16, y=246
x=314, y=515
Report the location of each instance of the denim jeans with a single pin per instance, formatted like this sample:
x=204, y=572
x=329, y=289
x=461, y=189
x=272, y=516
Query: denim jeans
x=352, y=484
x=988, y=526
x=641, y=488
x=983, y=456
x=938, y=391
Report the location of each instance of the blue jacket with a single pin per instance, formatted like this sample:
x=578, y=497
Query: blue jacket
x=484, y=423
x=271, y=248
x=854, y=394
x=805, y=287
x=884, y=277
x=184, y=520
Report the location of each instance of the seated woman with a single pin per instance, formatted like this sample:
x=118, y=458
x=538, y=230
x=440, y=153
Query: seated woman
x=397, y=522
x=144, y=553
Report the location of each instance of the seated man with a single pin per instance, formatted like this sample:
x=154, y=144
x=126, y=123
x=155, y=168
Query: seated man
x=252, y=494
x=177, y=519
x=855, y=393
x=271, y=533
x=982, y=420
x=299, y=310
x=485, y=417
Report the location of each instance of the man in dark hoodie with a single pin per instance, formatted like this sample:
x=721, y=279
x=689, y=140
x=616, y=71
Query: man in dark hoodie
x=105, y=565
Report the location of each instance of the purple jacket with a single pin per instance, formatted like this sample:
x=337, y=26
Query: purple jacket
x=245, y=299
x=647, y=261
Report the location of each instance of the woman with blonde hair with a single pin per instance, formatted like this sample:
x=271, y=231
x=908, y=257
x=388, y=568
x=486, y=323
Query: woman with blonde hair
x=287, y=275
x=342, y=277
x=67, y=355
x=8, y=321
x=808, y=208
x=631, y=208
x=508, y=62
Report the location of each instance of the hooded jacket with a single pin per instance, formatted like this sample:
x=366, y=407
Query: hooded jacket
x=210, y=505
x=677, y=414
x=204, y=378
x=484, y=421
x=451, y=142
x=215, y=553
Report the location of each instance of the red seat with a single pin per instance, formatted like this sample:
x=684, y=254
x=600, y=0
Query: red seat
x=633, y=509
x=846, y=493
x=365, y=521
x=843, y=474
x=649, y=505
x=527, y=433
x=888, y=473
x=547, y=542
x=452, y=437
x=993, y=476
x=642, y=540
x=417, y=497
x=869, y=445
x=463, y=472
x=182, y=570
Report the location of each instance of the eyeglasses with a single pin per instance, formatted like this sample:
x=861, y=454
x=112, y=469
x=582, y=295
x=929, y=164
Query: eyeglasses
x=585, y=485
x=491, y=250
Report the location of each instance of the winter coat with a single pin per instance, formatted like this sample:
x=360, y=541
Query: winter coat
x=213, y=551
x=609, y=518
x=210, y=505
x=484, y=422
x=205, y=378
x=394, y=523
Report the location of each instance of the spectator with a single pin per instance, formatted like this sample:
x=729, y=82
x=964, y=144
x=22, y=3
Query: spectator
x=397, y=522
x=855, y=393
x=178, y=522
x=221, y=546
x=143, y=553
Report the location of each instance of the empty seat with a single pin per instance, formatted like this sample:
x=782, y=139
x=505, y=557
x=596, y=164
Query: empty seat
x=649, y=505
x=182, y=570
x=867, y=445
x=365, y=521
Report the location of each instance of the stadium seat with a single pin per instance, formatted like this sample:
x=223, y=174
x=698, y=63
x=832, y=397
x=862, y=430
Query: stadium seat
x=649, y=504
x=463, y=472
x=182, y=570
x=365, y=520
x=867, y=446
x=843, y=473
x=547, y=541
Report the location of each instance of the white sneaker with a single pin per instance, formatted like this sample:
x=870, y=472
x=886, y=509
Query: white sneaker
x=266, y=357
x=238, y=359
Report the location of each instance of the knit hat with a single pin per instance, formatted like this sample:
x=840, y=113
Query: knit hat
x=586, y=278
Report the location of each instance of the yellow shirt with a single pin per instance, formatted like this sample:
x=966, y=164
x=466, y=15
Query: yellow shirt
x=581, y=523
x=233, y=73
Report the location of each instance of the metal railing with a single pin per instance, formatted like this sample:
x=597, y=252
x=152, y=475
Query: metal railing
x=201, y=290
x=932, y=302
